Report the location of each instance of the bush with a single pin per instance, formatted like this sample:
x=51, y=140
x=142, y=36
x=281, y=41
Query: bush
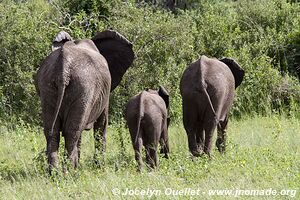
x=292, y=53
x=263, y=36
x=26, y=35
x=163, y=49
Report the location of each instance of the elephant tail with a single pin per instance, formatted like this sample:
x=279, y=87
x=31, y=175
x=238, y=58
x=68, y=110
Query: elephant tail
x=203, y=86
x=140, y=116
x=61, y=92
x=62, y=81
x=208, y=99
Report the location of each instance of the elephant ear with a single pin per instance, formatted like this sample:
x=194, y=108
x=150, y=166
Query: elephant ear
x=61, y=38
x=236, y=70
x=162, y=92
x=117, y=51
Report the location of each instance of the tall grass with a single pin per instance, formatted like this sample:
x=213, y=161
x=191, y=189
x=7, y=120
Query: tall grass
x=262, y=153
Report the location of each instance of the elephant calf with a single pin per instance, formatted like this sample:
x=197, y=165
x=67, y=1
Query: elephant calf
x=147, y=118
x=207, y=88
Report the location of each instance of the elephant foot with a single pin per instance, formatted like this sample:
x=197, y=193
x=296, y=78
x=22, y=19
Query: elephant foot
x=197, y=153
x=98, y=163
x=65, y=171
x=166, y=156
x=220, y=145
x=140, y=168
x=52, y=168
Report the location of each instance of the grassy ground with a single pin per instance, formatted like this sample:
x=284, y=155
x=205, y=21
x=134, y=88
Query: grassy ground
x=263, y=154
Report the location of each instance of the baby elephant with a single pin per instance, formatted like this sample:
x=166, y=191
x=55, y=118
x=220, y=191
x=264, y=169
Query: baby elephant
x=147, y=118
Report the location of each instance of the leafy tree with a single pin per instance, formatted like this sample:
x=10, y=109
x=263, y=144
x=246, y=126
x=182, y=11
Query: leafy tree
x=262, y=35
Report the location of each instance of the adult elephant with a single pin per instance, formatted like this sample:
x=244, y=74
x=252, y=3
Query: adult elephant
x=207, y=88
x=74, y=84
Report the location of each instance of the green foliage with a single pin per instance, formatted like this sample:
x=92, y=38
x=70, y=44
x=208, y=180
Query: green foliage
x=263, y=36
x=254, y=36
x=292, y=53
x=163, y=49
x=88, y=6
x=24, y=43
x=166, y=43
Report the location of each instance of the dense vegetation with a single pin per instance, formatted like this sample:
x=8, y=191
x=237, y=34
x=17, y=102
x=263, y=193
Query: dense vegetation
x=262, y=35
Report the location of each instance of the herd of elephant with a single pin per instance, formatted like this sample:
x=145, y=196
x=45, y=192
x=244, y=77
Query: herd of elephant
x=75, y=80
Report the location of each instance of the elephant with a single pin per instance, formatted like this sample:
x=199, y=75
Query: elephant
x=146, y=115
x=207, y=88
x=74, y=83
x=170, y=4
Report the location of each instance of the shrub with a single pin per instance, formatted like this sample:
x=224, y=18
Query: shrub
x=27, y=32
x=263, y=36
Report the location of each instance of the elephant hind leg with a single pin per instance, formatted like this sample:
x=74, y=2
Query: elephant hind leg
x=100, y=127
x=72, y=138
x=52, y=147
x=164, y=142
x=79, y=147
x=200, y=137
x=151, y=156
x=53, y=138
x=190, y=122
x=210, y=127
x=137, y=140
x=222, y=135
x=138, y=153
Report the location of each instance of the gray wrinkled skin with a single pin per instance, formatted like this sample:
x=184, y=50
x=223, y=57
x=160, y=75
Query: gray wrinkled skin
x=82, y=72
x=147, y=118
x=74, y=83
x=207, y=88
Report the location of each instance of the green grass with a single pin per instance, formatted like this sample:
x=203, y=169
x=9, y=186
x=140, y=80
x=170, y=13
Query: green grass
x=262, y=153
